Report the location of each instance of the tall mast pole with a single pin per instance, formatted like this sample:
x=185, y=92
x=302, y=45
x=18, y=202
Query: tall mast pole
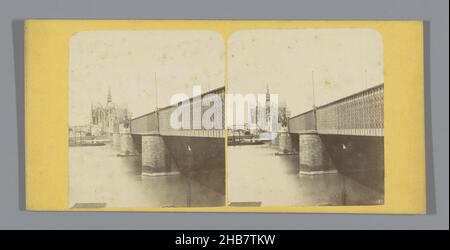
x=156, y=93
x=156, y=103
x=314, y=100
x=313, y=90
x=365, y=79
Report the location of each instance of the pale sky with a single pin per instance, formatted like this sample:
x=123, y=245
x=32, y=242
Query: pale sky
x=344, y=61
x=126, y=61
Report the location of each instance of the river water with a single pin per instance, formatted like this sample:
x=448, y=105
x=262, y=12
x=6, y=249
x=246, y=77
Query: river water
x=259, y=177
x=98, y=176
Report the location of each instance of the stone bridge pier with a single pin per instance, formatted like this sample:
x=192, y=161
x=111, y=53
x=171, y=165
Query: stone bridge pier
x=127, y=145
x=200, y=159
x=314, y=157
x=286, y=143
x=156, y=159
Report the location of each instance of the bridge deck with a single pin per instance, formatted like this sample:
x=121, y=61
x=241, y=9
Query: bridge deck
x=158, y=122
x=359, y=114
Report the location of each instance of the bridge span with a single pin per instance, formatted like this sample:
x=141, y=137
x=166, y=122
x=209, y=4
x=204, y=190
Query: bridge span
x=350, y=129
x=199, y=153
x=158, y=121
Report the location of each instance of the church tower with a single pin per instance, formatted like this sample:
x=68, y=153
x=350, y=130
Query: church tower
x=267, y=108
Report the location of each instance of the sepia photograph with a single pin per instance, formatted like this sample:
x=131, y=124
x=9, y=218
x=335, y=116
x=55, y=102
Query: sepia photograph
x=254, y=115
x=307, y=127
x=136, y=104
x=300, y=121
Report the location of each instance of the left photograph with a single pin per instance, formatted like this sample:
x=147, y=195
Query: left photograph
x=146, y=122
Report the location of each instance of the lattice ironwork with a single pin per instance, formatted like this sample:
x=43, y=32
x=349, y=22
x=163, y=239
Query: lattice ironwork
x=358, y=114
x=303, y=123
x=159, y=122
x=146, y=124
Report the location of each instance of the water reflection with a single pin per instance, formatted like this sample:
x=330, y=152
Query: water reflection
x=98, y=175
x=256, y=175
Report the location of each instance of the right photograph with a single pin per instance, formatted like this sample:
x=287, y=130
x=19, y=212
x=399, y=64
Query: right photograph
x=305, y=117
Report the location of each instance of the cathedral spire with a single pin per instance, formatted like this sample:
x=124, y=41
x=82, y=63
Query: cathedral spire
x=267, y=107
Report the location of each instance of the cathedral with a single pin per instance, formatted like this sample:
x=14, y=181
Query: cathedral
x=262, y=116
x=109, y=119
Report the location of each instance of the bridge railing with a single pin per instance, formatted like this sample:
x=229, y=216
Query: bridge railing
x=159, y=122
x=359, y=114
x=145, y=124
x=303, y=123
